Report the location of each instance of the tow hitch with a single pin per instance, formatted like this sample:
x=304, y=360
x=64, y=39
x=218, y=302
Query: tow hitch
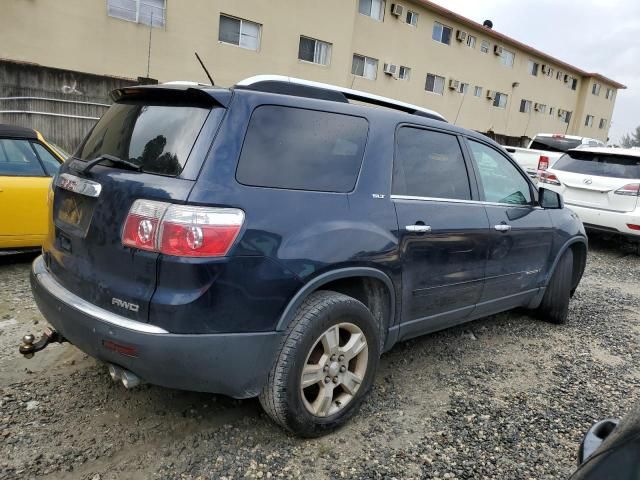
x=29, y=345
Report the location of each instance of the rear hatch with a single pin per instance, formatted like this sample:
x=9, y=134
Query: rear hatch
x=151, y=143
x=604, y=181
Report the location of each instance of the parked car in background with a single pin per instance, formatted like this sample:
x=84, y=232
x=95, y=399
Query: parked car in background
x=27, y=163
x=274, y=239
x=546, y=148
x=602, y=185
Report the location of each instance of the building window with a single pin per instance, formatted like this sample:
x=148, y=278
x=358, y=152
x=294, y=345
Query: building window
x=595, y=89
x=412, y=18
x=566, y=116
x=237, y=31
x=551, y=110
x=364, y=67
x=471, y=41
x=588, y=122
x=574, y=83
x=463, y=88
x=609, y=94
x=404, y=73
x=525, y=106
x=533, y=68
x=441, y=33
x=314, y=51
x=477, y=92
x=603, y=123
x=147, y=12
x=507, y=57
x=559, y=75
x=435, y=84
x=500, y=100
x=372, y=8
x=484, y=46
x=541, y=107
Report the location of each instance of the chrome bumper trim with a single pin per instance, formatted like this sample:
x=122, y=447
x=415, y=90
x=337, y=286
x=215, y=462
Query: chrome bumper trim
x=46, y=280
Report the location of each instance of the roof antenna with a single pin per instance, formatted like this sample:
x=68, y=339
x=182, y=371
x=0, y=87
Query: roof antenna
x=205, y=69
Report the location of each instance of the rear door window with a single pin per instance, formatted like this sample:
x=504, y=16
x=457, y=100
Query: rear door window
x=501, y=181
x=599, y=164
x=17, y=159
x=159, y=138
x=301, y=149
x=429, y=164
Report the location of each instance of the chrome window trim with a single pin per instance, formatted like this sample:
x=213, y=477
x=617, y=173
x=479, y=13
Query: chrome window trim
x=78, y=185
x=51, y=285
x=456, y=200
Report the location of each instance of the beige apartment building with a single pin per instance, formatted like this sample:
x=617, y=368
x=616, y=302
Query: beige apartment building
x=410, y=50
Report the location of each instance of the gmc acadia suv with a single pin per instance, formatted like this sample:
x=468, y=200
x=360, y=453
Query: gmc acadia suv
x=274, y=239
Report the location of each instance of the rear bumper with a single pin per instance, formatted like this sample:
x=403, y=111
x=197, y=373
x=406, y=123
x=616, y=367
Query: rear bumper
x=605, y=220
x=231, y=364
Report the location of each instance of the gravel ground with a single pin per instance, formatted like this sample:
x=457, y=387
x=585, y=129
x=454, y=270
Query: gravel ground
x=506, y=397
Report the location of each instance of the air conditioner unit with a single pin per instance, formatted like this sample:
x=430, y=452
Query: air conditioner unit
x=491, y=94
x=390, y=69
x=545, y=68
x=461, y=36
x=560, y=112
x=454, y=84
x=397, y=10
x=537, y=107
x=567, y=78
x=497, y=49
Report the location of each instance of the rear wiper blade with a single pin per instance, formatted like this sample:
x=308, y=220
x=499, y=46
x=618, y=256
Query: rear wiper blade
x=112, y=158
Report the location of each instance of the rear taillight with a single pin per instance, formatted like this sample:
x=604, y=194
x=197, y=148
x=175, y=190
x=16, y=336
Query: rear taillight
x=632, y=190
x=633, y=226
x=142, y=224
x=543, y=162
x=181, y=230
x=547, y=177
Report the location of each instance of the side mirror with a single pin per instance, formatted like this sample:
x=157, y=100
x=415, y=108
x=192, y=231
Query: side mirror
x=549, y=199
x=597, y=434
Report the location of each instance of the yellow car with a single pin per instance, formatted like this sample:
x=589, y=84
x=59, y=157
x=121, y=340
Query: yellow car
x=27, y=163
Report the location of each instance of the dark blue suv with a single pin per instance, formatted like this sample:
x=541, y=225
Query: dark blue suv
x=275, y=238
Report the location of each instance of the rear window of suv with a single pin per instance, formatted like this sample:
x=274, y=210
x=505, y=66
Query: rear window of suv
x=598, y=164
x=554, y=144
x=157, y=137
x=301, y=149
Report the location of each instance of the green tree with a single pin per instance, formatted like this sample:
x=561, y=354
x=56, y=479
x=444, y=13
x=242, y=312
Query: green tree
x=631, y=139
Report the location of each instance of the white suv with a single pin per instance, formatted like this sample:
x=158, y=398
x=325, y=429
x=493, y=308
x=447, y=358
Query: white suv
x=602, y=185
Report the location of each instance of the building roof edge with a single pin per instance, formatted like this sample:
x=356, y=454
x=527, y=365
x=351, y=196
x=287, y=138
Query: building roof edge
x=500, y=36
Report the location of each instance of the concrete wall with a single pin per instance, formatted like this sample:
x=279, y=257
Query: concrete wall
x=61, y=104
x=87, y=39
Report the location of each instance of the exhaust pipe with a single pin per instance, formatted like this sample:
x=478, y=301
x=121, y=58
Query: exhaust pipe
x=128, y=379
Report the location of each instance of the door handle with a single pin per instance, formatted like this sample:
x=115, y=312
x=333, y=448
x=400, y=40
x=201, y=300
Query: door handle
x=502, y=227
x=418, y=228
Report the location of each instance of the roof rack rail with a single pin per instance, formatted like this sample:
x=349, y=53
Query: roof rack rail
x=324, y=91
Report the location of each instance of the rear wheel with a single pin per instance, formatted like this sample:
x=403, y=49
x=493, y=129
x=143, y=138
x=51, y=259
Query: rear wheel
x=555, y=303
x=326, y=365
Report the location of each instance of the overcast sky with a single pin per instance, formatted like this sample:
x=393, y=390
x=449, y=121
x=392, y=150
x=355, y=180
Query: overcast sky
x=597, y=36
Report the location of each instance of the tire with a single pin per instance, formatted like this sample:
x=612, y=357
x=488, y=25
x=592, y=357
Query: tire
x=555, y=303
x=324, y=319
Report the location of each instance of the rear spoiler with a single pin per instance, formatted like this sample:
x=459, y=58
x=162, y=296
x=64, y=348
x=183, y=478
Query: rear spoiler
x=176, y=94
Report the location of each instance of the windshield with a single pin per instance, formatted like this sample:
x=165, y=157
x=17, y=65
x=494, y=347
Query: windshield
x=159, y=138
x=554, y=144
x=599, y=164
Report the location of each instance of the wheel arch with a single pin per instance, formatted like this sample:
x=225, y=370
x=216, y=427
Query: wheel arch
x=579, y=247
x=339, y=280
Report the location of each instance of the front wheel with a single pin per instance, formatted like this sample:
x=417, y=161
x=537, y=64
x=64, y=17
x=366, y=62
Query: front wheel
x=325, y=367
x=555, y=303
